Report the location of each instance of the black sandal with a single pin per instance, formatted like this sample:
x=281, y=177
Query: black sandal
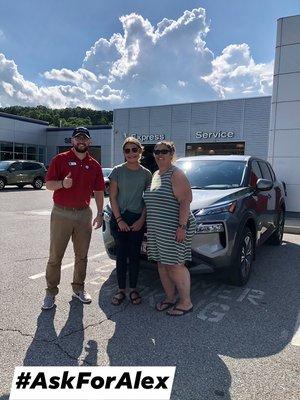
x=164, y=305
x=116, y=301
x=136, y=300
x=181, y=310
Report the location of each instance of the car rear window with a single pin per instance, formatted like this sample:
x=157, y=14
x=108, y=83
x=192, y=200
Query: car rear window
x=272, y=172
x=255, y=174
x=265, y=171
x=17, y=166
x=4, y=164
x=31, y=166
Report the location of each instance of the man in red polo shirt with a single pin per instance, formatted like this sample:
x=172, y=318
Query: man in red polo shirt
x=73, y=176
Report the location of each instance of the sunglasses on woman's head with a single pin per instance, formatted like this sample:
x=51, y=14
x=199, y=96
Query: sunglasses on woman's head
x=133, y=149
x=163, y=151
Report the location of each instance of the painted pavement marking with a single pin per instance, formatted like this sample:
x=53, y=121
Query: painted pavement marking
x=40, y=275
x=296, y=337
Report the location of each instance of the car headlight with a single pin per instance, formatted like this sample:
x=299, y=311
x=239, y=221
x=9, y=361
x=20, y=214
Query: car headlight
x=228, y=207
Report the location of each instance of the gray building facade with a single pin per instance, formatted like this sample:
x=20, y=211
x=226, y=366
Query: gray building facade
x=239, y=126
x=284, y=153
x=30, y=139
x=59, y=139
x=22, y=138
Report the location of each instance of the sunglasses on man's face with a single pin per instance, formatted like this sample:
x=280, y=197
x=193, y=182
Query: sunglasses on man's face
x=163, y=151
x=133, y=149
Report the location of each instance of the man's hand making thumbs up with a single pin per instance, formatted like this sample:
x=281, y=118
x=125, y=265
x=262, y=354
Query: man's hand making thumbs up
x=67, y=182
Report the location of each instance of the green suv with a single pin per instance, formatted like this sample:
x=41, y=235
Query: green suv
x=21, y=173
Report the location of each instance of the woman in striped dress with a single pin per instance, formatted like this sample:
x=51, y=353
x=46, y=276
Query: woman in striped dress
x=170, y=228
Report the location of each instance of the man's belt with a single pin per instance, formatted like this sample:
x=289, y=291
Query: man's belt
x=70, y=208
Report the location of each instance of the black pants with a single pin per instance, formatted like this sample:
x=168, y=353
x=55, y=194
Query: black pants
x=128, y=246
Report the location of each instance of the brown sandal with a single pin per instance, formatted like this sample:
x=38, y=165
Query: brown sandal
x=136, y=300
x=116, y=301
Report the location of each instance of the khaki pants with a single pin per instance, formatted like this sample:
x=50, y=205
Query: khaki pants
x=66, y=224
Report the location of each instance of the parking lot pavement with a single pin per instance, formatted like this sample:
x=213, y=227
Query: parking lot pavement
x=239, y=343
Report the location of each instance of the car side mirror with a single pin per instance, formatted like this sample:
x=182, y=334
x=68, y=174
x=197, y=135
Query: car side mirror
x=263, y=185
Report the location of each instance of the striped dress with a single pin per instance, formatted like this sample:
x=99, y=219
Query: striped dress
x=162, y=222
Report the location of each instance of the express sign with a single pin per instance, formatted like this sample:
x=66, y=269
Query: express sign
x=147, y=138
x=214, y=135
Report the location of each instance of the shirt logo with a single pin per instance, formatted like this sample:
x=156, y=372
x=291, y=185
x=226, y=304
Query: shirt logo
x=72, y=163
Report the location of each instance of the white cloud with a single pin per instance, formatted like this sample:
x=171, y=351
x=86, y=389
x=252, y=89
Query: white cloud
x=2, y=35
x=8, y=88
x=146, y=60
x=67, y=75
x=182, y=83
x=14, y=89
x=145, y=64
x=235, y=73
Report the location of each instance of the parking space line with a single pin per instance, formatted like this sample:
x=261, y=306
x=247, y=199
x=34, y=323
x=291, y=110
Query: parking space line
x=36, y=276
x=296, y=337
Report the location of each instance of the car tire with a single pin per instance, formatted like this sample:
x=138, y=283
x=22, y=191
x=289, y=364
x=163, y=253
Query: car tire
x=2, y=183
x=38, y=183
x=276, y=238
x=241, y=267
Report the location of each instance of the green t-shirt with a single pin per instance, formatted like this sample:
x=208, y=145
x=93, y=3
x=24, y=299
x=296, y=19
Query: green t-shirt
x=131, y=186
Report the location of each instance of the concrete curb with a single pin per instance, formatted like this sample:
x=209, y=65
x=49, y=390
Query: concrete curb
x=292, y=229
x=292, y=225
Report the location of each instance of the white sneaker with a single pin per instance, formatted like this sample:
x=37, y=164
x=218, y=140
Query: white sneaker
x=83, y=296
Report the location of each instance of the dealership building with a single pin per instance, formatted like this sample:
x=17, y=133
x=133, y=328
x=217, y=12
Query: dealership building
x=239, y=126
x=30, y=139
x=267, y=127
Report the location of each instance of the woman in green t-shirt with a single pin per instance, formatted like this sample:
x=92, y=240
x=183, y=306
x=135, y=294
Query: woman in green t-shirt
x=128, y=182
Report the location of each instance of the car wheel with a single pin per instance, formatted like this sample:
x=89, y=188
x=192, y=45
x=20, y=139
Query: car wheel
x=240, y=269
x=276, y=237
x=38, y=183
x=20, y=186
x=2, y=183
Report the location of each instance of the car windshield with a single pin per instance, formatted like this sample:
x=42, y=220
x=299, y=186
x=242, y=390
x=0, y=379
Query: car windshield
x=213, y=174
x=4, y=164
x=106, y=172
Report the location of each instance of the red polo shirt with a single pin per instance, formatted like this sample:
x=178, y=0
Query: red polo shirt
x=86, y=174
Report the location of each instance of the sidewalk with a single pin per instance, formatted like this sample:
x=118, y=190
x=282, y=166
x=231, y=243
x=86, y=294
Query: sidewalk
x=292, y=224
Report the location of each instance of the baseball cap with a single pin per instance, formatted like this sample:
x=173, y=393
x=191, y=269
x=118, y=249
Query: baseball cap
x=81, y=130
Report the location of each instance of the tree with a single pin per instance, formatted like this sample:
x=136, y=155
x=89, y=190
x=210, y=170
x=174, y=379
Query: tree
x=63, y=117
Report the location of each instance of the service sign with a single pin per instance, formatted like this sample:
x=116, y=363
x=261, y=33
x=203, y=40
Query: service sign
x=215, y=135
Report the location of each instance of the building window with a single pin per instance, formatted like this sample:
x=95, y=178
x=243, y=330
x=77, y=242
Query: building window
x=215, y=148
x=41, y=154
x=32, y=152
x=6, y=151
x=21, y=151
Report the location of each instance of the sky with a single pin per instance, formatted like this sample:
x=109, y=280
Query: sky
x=107, y=54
